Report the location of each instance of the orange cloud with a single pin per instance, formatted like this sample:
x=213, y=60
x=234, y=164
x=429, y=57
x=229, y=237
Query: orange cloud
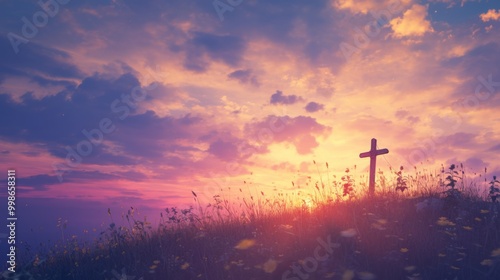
x=366, y=6
x=413, y=22
x=490, y=15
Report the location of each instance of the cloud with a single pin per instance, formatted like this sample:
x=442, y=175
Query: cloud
x=476, y=164
x=403, y=114
x=479, y=74
x=156, y=134
x=461, y=140
x=228, y=49
x=38, y=182
x=413, y=119
x=57, y=122
x=452, y=3
x=284, y=166
x=170, y=147
x=366, y=6
x=279, y=98
x=299, y=131
x=495, y=148
x=244, y=77
x=312, y=107
x=60, y=118
x=413, y=23
x=41, y=64
x=492, y=15
x=41, y=182
x=224, y=150
x=297, y=30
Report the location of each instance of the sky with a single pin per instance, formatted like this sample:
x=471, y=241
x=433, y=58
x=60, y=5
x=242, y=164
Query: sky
x=118, y=104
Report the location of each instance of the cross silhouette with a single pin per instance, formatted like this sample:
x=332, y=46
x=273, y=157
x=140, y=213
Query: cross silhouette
x=372, y=154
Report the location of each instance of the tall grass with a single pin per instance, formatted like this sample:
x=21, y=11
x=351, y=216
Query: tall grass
x=261, y=236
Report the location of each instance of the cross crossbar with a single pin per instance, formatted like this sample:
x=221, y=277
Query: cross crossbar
x=372, y=154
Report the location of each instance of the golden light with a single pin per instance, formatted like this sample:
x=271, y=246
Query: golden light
x=308, y=203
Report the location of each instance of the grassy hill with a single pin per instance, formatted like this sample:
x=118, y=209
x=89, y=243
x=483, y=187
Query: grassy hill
x=420, y=233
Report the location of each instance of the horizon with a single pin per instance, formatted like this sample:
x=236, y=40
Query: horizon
x=119, y=104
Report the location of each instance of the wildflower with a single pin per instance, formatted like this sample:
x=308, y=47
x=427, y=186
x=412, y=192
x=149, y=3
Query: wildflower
x=487, y=262
x=270, y=266
x=443, y=221
x=348, y=233
x=185, y=266
x=495, y=253
x=380, y=224
x=245, y=244
x=286, y=227
x=382, y=221
x=123, y=274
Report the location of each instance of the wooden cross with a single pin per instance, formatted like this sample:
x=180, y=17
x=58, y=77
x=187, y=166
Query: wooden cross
x=372, y=154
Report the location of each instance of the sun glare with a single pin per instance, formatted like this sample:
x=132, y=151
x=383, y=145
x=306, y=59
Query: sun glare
x=308, y=203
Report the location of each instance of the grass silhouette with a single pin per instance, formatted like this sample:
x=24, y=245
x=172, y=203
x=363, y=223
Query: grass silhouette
x=414, y=228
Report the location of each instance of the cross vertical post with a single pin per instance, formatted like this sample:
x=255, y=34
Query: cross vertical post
x=372, y=154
